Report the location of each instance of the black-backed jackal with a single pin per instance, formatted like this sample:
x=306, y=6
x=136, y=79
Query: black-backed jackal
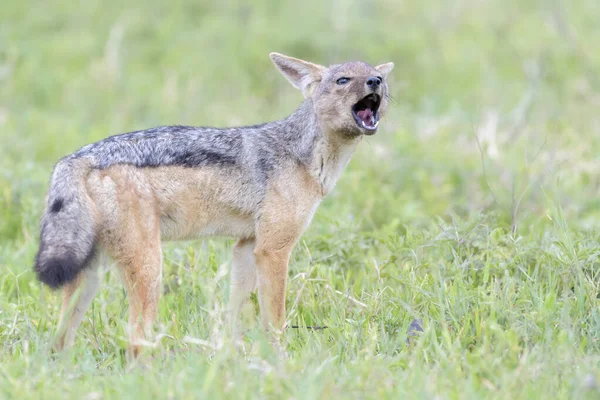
x=122, y=196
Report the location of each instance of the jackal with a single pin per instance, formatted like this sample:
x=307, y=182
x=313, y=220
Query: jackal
x=122, y=196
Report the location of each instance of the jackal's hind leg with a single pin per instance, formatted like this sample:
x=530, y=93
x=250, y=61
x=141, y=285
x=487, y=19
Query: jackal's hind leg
x=143, y=282
x=130, y=232
x=77, y=296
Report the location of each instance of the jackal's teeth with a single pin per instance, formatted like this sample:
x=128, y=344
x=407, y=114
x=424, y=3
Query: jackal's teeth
x=370, y=127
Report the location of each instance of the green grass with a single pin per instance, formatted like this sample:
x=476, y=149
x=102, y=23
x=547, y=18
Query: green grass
x=476, y=207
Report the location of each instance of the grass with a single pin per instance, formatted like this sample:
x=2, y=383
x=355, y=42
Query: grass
x=475, y=208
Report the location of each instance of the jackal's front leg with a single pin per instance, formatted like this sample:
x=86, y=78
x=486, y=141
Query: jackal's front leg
x=272, y=267
x=243, y=282
x=287, y=209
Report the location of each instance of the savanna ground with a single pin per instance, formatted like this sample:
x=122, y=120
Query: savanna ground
x=476, y=207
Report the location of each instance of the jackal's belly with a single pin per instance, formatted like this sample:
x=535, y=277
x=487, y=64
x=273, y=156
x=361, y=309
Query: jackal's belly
x=203, y=202
x=206, y=224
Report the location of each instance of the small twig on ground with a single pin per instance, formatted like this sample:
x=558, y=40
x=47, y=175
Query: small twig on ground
x=314, y=327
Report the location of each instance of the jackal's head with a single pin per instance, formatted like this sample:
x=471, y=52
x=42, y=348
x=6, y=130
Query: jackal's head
x=349, y=98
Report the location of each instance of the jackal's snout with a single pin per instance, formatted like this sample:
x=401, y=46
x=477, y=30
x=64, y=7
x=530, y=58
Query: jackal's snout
x=366, y=111
x=373, y=82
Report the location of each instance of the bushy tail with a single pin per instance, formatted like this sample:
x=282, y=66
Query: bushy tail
x=68, y=231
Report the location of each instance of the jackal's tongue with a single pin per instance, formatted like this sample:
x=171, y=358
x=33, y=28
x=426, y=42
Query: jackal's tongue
x=366, y=116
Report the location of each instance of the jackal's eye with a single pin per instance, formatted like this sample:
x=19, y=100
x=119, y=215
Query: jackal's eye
x=342, y=81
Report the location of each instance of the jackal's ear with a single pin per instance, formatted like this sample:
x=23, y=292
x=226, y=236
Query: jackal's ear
x=302, y=74
x=385, y=69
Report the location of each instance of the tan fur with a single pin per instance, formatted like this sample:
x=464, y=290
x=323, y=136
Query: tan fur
x=134, y=209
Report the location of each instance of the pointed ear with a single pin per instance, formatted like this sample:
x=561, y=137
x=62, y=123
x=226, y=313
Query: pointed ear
x=303, y=75
x=385, y=69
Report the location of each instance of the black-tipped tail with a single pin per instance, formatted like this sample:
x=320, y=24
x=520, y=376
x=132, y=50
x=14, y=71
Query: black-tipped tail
x=68, y=234
x=55, y=272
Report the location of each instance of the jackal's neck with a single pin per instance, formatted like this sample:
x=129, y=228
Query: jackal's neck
x=325, y=153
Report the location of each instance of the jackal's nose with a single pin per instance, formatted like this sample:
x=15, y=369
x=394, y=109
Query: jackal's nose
x=373, y=82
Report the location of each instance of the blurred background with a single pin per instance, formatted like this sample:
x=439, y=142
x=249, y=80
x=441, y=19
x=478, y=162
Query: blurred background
x=495, y=103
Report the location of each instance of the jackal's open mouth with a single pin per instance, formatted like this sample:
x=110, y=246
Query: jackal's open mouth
x=366, y=112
